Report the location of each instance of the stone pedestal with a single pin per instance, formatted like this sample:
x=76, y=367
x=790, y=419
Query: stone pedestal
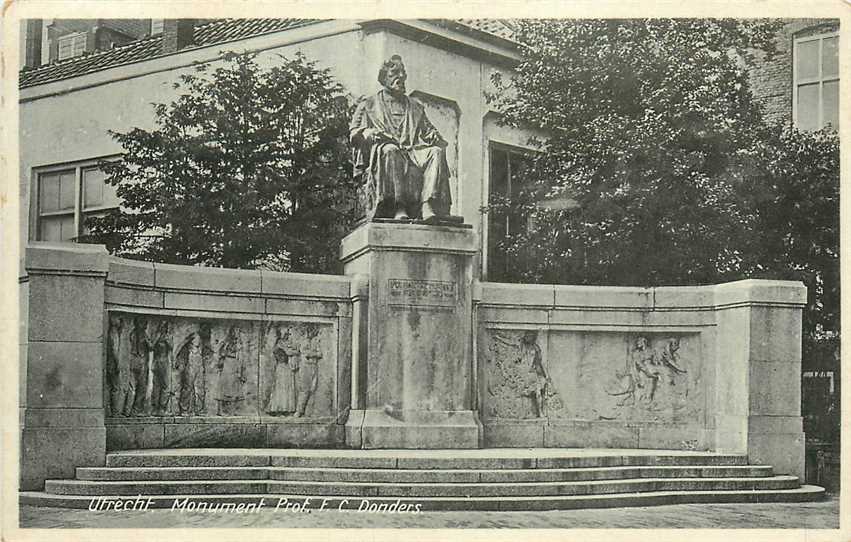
x=62, y=417
x=759, y=374
x=415, y=383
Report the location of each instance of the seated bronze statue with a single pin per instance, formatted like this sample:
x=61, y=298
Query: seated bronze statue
x=399, y=154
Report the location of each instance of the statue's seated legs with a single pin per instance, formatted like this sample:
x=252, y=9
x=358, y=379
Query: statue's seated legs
x=410, y=181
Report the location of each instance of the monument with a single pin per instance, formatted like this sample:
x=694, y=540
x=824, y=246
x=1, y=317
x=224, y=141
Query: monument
x=412, y=385
x=399, y=154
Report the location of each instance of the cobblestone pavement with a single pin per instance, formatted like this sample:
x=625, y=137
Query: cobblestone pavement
x=815, y=515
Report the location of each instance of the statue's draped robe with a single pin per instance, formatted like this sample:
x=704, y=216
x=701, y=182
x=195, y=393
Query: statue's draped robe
x=410, y=170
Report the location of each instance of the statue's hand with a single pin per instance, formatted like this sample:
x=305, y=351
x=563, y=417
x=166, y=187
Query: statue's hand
x=373, y=136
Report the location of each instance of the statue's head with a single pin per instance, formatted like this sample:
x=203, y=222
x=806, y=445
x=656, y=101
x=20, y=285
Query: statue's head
x=392, y=75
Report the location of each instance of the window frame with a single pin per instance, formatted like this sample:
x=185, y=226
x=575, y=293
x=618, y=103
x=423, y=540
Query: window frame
x=820, y=79
x=79, y=211
x=494, y=145
x=71, y=38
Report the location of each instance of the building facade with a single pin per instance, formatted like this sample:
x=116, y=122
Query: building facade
x=450, y=65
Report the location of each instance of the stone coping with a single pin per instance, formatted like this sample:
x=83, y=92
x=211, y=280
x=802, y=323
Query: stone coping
x=710, y=297
x=407, y=236
x=71, y=258
x=430, y=454
x=219, y=420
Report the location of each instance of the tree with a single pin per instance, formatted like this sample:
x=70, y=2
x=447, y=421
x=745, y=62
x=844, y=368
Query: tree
x=248, y=167
x=678, y=180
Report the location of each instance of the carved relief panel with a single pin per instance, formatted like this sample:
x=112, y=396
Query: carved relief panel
x=173, y=366
x=298, y=361
x=576, y=375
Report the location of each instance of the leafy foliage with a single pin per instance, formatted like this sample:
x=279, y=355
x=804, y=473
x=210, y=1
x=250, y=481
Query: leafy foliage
x=248, y=167
x=676, y=177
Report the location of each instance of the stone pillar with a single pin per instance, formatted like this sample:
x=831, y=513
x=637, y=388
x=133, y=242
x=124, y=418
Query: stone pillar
x=759, y=372
x=62, y=372
x=416, y=375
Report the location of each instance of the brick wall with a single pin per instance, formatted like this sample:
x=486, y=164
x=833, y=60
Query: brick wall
x=771, y=80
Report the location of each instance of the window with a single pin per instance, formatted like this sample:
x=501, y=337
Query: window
x=66, y=197
x=72, y=45
x=505, y=164
x=157, y=26
x=815, y=103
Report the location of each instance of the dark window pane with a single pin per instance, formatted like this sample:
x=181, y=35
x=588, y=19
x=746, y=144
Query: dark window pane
x=829, y=57
x=49, y=193
x=831, y=104
x=808, y=107
x=57, y=228
x=66, y=190
x=807, y=60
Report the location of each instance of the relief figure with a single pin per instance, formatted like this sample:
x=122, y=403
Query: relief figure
x=121, y=382
x=190, y=362
x=286, y=357
x=161, y=352
x=296, y=353
x=646, y=368
x=231, y=369
x=520, y=380
x=139, y=349
x=307, y=377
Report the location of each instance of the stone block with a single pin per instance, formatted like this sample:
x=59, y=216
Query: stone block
x=783, y=451
x=74, y=257
x=513, y=315
x=438, y=430
x=560, y=316
x=343, y=380
x=213, y=279
x=590, y=435
x=134, y=436
x=775, y=334
x=222, y=435
x=497, y=293
x=775, y=424
x=775, y=388
x=673, y=437
x=133, y=297
x=50, y=452
x=305, y=435
x=604, y=296
x=731, y=433
x=304, y=284
x=211, y=302
x=62, y=417
x=407, y=237
x=66, y=308
x=760, y=291
x=299, y=307
x=678, y=317
x=123, y=271
x=353, y=428
x=513, y=435
x=683, y=297
x=65, y=374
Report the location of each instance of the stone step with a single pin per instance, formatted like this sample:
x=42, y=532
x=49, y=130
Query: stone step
x=358, y=489
x=561, y=502
x=416, y=475
x=419, y=459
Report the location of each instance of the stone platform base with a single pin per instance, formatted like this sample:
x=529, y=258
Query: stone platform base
x=371, y=429
x=490, y=479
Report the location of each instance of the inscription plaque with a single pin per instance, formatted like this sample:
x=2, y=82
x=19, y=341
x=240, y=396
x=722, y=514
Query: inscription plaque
x=422, y=293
